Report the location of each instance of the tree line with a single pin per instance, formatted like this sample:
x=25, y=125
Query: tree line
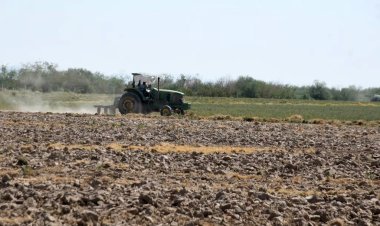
x=45, y=77
x=246, y=86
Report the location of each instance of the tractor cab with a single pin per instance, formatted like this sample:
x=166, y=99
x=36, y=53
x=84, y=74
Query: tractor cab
x=143, y=83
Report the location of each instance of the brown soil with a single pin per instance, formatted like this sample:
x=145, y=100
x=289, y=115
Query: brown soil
x=72, y=169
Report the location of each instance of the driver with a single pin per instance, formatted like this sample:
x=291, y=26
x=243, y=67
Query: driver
x=143, y=89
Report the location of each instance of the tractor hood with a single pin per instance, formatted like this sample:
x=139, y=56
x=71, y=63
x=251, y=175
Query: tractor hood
x=169, y=91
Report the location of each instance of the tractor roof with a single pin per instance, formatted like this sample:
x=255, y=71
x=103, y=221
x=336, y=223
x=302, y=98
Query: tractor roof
x=149, y=79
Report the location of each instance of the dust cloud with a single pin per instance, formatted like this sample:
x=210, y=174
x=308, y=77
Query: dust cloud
x=46, y=107
x=40, y=102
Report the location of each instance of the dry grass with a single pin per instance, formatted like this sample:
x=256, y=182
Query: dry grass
x=126, y=182
x=297, y=180
x=346, y=181
x=15, y=220
x=293, y=192
x=9, y=171
x=277, y=187
x=206, y=223
x=82, y=162
x=87, y=147
x=243, y=176
x=43, y=178
x=296, y=192
x=295, y=118
x=72, y=146
x=119, y=166
x=167, y=147
x=116, y=146
x=336, y=222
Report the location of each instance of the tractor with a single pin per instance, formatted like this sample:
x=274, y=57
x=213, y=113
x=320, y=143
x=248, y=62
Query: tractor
x=142, y=98
x=375, y=98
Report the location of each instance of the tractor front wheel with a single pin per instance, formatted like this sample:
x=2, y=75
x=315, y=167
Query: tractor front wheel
x=166, y=111
x=130, y=103
x=179, y=111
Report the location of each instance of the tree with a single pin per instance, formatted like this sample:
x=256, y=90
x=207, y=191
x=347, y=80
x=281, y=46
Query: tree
x=351, y=93
x=245, y=87
x=319, y=91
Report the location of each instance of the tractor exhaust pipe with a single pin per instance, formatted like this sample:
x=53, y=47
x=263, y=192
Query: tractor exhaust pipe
x=158, y=87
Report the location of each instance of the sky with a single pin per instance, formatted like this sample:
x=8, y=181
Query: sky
x=289, y=42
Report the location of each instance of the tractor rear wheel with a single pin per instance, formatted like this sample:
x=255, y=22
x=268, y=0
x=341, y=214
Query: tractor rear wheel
x=129, y=103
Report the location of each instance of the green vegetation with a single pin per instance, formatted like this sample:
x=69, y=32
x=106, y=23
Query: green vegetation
x=283, y=109
x=45, y=77
x=248, y=109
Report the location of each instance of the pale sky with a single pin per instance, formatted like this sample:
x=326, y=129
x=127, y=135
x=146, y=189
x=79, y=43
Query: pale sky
x=290, y=42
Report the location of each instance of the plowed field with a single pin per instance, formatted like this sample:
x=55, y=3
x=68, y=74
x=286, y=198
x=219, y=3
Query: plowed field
x=80, y=169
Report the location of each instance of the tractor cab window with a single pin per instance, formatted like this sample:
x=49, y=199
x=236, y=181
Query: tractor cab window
x=143, y=80
x=144, y=83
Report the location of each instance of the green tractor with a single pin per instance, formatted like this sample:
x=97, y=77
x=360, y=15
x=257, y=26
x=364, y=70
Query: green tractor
x=142, y=98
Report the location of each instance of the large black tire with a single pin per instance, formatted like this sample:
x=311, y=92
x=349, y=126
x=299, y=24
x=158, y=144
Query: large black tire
x=129, y=103
x=166, y=110
x=179, y=111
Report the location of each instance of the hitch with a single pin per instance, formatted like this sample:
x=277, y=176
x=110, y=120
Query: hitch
x=107, y=109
